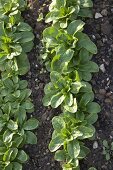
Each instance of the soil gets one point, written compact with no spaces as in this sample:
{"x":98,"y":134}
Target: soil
{"x":100,"y":30}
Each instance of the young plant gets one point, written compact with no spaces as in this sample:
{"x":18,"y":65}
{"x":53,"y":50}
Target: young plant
{"x":12,"y":138}
{"x":107,"y":149}
{"x":67,"y":140}
{"x":64,"y":90}
{"x":68,"y":53}
{"x":61,"y":55}
{"x":16,"y":39}
{"x":92,"y":168}
{"x":14,"y":43}
{"x":61,"y":12}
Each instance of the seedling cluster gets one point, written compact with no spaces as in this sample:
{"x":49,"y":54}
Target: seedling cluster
{"x":68,"y":53}
{"x":16,"y":39}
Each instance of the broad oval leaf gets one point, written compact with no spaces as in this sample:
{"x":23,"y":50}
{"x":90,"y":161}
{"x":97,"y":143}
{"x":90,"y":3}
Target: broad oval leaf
{"x":73,"y":149}
{"x":22,"y":156}
{"x":88,"y":132}
{"x":58,"y":123}
{"x":31,"y":124}
{"x":56,"y":143}
{"x":57,"y":100}
{"x":31,"y":138}
{"x":75,"y":26}
{"x":17,"y":166}
{"x":60,"y":155}
{"x":93,"y":107}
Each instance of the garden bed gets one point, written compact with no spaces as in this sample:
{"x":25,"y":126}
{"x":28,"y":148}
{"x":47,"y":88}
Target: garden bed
{"x":100,"y":31}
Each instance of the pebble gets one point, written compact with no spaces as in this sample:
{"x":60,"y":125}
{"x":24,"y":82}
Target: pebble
{"x":95,"y":145}
{"x":107,"y":100}
{"x":102,"y":91}
{"x":104,"y":40}
{"x":93,"y":36}
{"x":111,"y":9}
{"x":102,"y":68}
{"x":106,"y":28}
{"x":104,"y":12}
{"x":98,"y":15}
{"x":41,"y":85}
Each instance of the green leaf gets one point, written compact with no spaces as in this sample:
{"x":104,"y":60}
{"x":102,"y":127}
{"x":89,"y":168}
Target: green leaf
{"x":21,"y":115}
{"x":88,"y":132}
{"x":60,"y":3}
{"x":22,"y":156}
{"x":67,"y":166}
{"x":14,"y":153}
{"x":86,"y":3}
{"x":85,"y":12}
{"x":28,"y":105}
{"x":64,"y":23}
{"x":47,"y":99}
{"x":31,"y":138}
{"x":7,"y":136}
{"x":90,"y":46}
{"x":105,"y":143}
{"x":80,"y":116}
{"x":75,"y":26}
{"x":9,"y":167}
{"x":31,"y":124}
{"x":73,"y":149}
{"x":27,"y":46}
{"x":22,"y":26}
{"x":56,"y":143}
{"x":93,"y":107}
{"x":92,"y":168}
{"x":57,"y":100}
{"x":112,"y":146}
{"x":23,"y":64}
{"x":10,"y":154}
{"x":23,"y":84}
{"x":55,"y":76}
{"x":26,"y":37}
{"x":58,"y":123}
{"x":17,"y":166}
{"x":84,"y":56}
{"x":69,"y":99}
{"x":107,"y":156}
{"x":84,"y":151}
{"x":75,"y":87}
{"x":12,"y":125}
{"x":60,"y":155}
{"x":73,"y":108}
{"x":86,"y":98}
{"x":2,"y":150}
{"x":62,"y":59}
{"x":49,"y":35}
{"x":92,"y":118}
{"x":17,"y":141}
{"x":8,"y":83}
{"x":76,"y":133}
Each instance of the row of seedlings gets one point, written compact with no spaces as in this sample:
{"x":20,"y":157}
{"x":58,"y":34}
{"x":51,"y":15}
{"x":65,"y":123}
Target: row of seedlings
{"x":16,"y":39}
{"x":68,"y":53}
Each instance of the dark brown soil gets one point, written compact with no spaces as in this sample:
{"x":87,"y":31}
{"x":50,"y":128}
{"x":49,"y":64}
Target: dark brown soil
{"x":101,"y":32}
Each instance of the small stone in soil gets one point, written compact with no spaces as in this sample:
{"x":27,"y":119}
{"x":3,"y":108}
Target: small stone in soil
{"x":104,"y":12}
{"x":102,"y":68}
{"x":98,"y":15}
{"x":95,"y":145}
{"x":102,"y":91}
{"x":107,"y":100}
